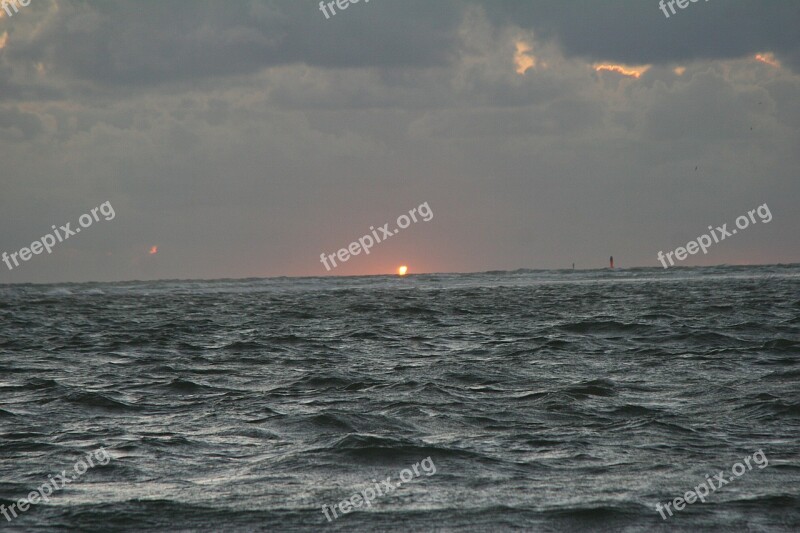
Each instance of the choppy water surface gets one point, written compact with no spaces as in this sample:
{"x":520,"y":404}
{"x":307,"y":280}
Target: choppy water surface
{"x":548,"y":401}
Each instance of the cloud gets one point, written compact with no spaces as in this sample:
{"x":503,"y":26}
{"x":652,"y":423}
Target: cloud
{"x":168,"y":41}
{"x":157,"y":42}
{"x":636,"y":32}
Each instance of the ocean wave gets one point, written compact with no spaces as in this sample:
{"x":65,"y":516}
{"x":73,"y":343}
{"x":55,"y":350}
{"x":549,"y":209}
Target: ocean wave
{"x":97,"y":400}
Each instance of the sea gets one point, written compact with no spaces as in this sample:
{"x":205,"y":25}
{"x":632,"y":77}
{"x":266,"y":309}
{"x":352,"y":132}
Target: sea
{"x":558,"y":401}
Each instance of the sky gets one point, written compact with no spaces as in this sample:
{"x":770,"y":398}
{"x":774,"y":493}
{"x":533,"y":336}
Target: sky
{"x":245,"y":138}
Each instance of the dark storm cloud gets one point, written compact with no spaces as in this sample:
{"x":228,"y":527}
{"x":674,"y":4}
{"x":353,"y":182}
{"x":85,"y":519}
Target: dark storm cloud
{"x":150,"y":42}
{"x":156,"y":41}
{"x":637,"y":32}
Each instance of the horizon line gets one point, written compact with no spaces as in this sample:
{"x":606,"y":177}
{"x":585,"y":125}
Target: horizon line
{"x":395,"y":275}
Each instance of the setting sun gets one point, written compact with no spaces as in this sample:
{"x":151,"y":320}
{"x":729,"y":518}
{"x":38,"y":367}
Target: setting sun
{"x":402,"y":270}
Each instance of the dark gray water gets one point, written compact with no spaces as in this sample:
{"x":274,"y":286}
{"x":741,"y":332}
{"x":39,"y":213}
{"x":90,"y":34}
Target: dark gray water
{"x":547,"y":401}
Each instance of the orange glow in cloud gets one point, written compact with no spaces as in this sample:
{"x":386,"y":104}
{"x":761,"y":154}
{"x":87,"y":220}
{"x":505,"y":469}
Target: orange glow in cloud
{"x":769,"y":59}
{"x":522,"y":60}
{"x":153,"y":250}
{"x":3,"y":40}
{"x":679,"y":70}
{"x":624,"y":70}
